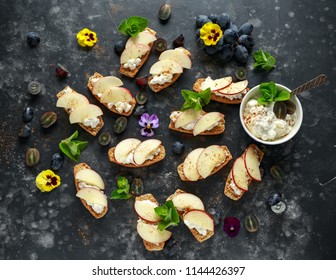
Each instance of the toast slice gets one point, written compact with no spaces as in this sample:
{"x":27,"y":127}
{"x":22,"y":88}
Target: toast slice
{"x":198,"y":88}
{"x":218,"y":129}
{"x":216,"y":169}
{"x":160,"y":156}
{"x":92,"y":131}
{"x":148,"y":245}
{"x":77,"y":168}
{"x":113,"y":109}
{"x":229,"y":188}
{"x":132,"y":73}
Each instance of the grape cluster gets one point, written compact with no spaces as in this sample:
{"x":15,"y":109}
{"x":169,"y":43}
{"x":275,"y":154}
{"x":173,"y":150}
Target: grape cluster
{"x":235,"y":42}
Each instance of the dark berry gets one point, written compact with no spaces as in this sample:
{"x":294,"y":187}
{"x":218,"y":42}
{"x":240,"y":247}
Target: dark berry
{"x":33,"y":39}
{"x":178,"y":147}
{"x":226,"y":53}
{"x":139,"y":110}
{"x":274,"y":198}
{"x":234,"y":27}
{"x":27,"y":114}
{"x":179,"y":41}
{"x":160,"y":45}
{"x":240,"y":73}
{"x":247,"y":41}
{"x":220,"y":44}
{"x":201,"y":20}
{"x":119,"y":47}
{"x":241,"y":54}
{"x":215,"y":215}
{"x":230,"y":36}
{"x":223,"y":21}
{"x":246,"y":29}
{"x":34,"y":87}
{"x":57,"y":161}
{"x":61,"y":71}
{"x":24,"y":131}
{"x":104,"y":138}
{"x":213,"y":18}
{"x":120,"y":125}
{"x":142,"y":81}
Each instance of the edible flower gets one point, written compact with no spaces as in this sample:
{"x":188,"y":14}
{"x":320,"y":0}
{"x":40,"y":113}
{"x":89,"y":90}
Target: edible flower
{"x":210,"y":33}
{"x":231,"y":226}
{"x":148,"y":122}
{"x":47,"y":180}
{"x":86,"y":37}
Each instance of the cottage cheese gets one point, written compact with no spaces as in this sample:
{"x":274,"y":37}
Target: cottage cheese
{"x":262,"y":122}
{"x":91,"y":122}
{"x":129,"y":158}
{"x":200,"y":230}
{"x":153,"y":154}
{"x":132,"y":63}
{"x":161,"y":79}
{"x":120,"y":106}
{"x":235,"y":189}
{"x":190,"y":126}
{"x":96,"y":207}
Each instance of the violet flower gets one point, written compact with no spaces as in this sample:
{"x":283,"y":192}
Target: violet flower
{"x":148,"y":122}
{"x":231,"y":226}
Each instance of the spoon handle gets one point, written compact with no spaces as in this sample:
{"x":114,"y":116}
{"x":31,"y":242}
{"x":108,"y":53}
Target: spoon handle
{"x":317,"y":81}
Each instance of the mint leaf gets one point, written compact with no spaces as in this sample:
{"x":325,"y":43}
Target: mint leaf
{"x":132,"y":26}
{"x":123,"y":189}
{"x":72,"y":148}
{"x":122,"y":28}
{"x":263,"y":60}
{"x":168,"y":214}
{"x":270,"y":93}
{"x":206,"y":96}
{"x":282,"y":95}
{"x":194,"y":100}
{"x":116,"y":195}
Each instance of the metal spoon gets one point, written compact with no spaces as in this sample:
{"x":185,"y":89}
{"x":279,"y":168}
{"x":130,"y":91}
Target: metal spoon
{"x":317,"y":81}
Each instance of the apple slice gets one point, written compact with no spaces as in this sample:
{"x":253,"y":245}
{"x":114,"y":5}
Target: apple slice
{"x":217,"y":84}
{"x":133,"y":51}
{"x":92,"y":196}
{"x":199,"y":219}
{"x":144,"y":37}
{"x":150,"y":233}
{"x":211,"y":157}
{"x":207,"y":122}
{"x":116,"y":94}
{"x":234,"y":88}
{"x":170,"y":66}
{"x":190,"y":164}
{"x":71,"y":101}
{"x":186,"y":117}
{"x":187,"y":201}
{"x":105,"y":83}
{"x":177,"y":54}
{"x":145,"y":150}
{"x":81,"y":113}
{"x":239,"y":174}
{"x":145,"y":210}
{"x":124,"y":148}
{"x":90,"y":177}
{"x":252,"y":163}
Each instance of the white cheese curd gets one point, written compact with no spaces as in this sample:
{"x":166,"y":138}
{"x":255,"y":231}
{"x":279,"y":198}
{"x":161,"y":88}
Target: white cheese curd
{"x":67,"y":90}
{"x":233,"y":186}
{"x":96,"y":207}
{"x":262,"y":122}
{"x":91,"y":122}
{"x":190,"y":126}
{"x":153,"y":154}
{"x":132,"y":63}
{"x":129,"y":158}
{"x":161,"y":79}
{"x":94,"y":80}
{"x":200,"y":230}
{"x":151,"y":203}
{"x":208,"y":82}
{"x":99,"y":95}
{"x":83,"y":185}
{"x":123,"y":106}
{"x":174,"y":115}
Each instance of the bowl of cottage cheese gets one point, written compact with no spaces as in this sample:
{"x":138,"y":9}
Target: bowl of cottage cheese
{"x":261,"y":123}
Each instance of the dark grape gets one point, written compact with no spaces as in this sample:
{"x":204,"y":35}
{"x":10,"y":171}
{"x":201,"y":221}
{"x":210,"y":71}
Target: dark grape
{"x":230,"y":36}
{"x":120,"y":125}
{"x":137,"y":186}
{"x":104,"y":138}
{"x":280,"y":109}
{"x":141,"y":97}
{"x":226,"y":53}
{"x":220,"y":44}
{"x":47,"y":119}
{"x":61,"y":71}
{"x":198,"y":33}
{"x":142,"y":81}
{"x":164,"y":12}
{"x":32,"y":156}
{"x":213,"y":18}
{"x":178,"y":147}
{"x":241,"y":54}
{"x":223,"y":21}
{"x":34,"y":87}
{"x":210,"y":50}
{"x":247,"y":41}
{"x":240,"y":73}
{"x":27,"y":114}
{"x":291,"y":108}
{"x":201,"y":44}
{"x":160,"y":45}
{"x":179,"y":41}
{"x":201,"y":20}
{"x":33,"y":39}
{"x":57,"y":161}
{"x":234,"y":27}
{"x":246,"y":29}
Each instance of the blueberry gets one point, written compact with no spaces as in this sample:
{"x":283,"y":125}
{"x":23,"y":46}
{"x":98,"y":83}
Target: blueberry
{"x":27,"y":114}
{"x":24,"y":131}
{"x":274,"y":198}
{"x":226,"y":53}
{"x":119,"y":47}
{"x":246,"y":29}
{"x":241,"y":54}
{"x":200,"y":44}
{"x":233,"y":27}
{"x":139,"y":110}
{"x":246,"y":40}
{"x":178,"y":147}
{"x":201,"y":20}
{"x":220,"y":44}
{"x":33,"y":39}
{"x":57,"y":161}
{"x":223,"y":21}
{"x":215,"y":215}
{"x":210,"y":50}
{"x":213,"y":18}
{"x":230,"y":36}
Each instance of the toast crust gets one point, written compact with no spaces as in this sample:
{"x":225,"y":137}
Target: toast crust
{"x":197,"y":87}
{"x":92,"y":131}
{"x":77,"y":168}
{"x":132,"y":73}
{"x":160,"y":156}
{"x":96,"y":75}
{"x":228,"y":191}
{"x":216,"y":169}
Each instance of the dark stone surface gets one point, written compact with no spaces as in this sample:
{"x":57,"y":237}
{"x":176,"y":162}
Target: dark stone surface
{"x":35,"y":225}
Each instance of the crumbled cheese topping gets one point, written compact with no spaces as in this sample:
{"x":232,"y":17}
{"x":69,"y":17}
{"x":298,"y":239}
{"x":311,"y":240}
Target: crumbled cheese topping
{"x":207,"y":83}
{"x":120,"y":106}
{"x":161,"y":79}
{"x":174,"y":115}
{"x":200,"y":230}
{"x":91,"y":122}
{"x":132,"y":63}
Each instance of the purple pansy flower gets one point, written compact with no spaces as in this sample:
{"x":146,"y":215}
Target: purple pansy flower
{"x":231,"y":226}
{"x":148,"y":122}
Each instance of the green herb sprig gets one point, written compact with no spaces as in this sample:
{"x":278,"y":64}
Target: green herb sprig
{"x":263,"y":60}
{"x":132,"y":26}
{"x":194,"y":100}
{"x":72,"y":148}
{"x":123,"y":190}
{"x":269,"y":93}
{"x":168,"y":214}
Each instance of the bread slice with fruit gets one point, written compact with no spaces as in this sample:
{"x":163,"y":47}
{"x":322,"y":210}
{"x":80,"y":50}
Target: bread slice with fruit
{"x":90,"y":187}
{"x":223,"y":90}
{"x":140,"y":47}
{"x":88,"y":116}
{"x":201,"y":163}
{"x":153,"y":239}
{"x":135,"y":153}
{"x":108,"y":91}
{"x":199,"y":122}
{"x":245,"y":169}
{"x":168,"y":68}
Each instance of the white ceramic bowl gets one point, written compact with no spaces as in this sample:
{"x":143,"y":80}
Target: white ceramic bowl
{"x":254,"y":94}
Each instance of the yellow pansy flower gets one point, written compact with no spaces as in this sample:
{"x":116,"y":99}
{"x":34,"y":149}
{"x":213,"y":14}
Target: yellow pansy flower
{"x":47,"y":180}
{"x":210,"y":33}
{"x":86,"y":37}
